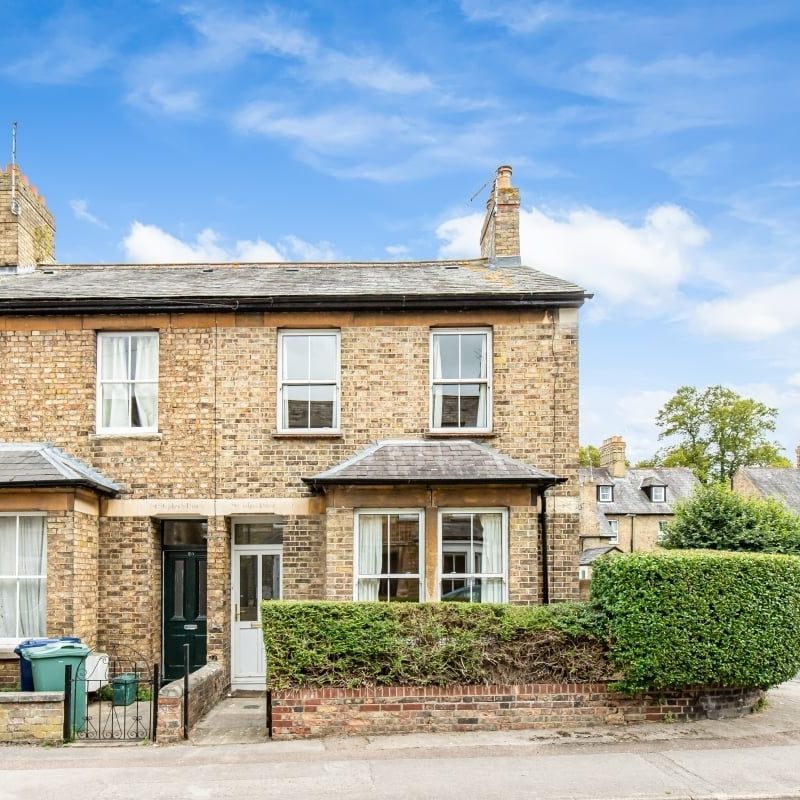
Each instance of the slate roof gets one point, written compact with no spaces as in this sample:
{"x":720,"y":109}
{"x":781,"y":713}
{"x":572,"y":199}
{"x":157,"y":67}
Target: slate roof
{"x":41,"y":464}
{"x":589,"y":555}
{"x":783,"y":484}
{"x":396,"y":461}
{"x":178,"y":287}
{"x":630,"y":497}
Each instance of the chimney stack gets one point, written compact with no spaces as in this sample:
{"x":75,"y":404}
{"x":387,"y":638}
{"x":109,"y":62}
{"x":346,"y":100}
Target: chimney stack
{"x":500,"y":232}
{"x":612,"y":456}
{"x":27,"y":228}
{"x":797,"y":456}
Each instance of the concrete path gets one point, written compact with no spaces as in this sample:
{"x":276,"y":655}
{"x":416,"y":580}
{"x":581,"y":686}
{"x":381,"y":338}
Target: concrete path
{"x":755,"y":757}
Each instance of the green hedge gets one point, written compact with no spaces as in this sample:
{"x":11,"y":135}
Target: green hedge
{"x":700,"y":618}
{"x":365,"y":644}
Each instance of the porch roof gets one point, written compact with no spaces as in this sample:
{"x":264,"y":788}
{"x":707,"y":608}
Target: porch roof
{"x":454,"y":461}
{"x":40,"y":464}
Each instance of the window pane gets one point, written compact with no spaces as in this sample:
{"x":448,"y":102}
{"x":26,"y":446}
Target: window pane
{"x":372,"y":544}
{"x":402,"y":589}
{"x":368,"y":589}
{"x":295,"y":358}
{"x":404,"y":541}
{"x":456,"y":530}
{"x":114,"y":363}
{"x":177,"y":590}
{"x":8,"y":546}
{"x":445,"y":406}
{"x":322,"y":406}
{"x":472,"y":405}
{"x":31,"y":546}
{"x":248,"y":588}
{"x":445,"y":355}
{"x":8,"y":608}
{"x":115,"y":413}
{"x":260,"y":532}
{"x":144,"y":357}
{"x":467,"y":591}
{"x":270,"y":577}
{"x":143,"y":405}
{"x":186,"y":532}
{"x":491,"y":590}
{"x":473,"y":355}
{"x":323,"y":358}
{"x":488,"y":538}
{"x":295,"y":406}
{"x":202,"y":587}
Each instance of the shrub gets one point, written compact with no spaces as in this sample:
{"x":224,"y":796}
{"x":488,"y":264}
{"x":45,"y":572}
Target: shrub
{"x":700,"y":619}
{"x":365,"y":644}
{"x":717,"y":518}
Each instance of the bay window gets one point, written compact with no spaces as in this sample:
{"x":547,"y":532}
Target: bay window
{"x":389,"y":555}
{"x":23,"y":576}
{"x":127,"y":382}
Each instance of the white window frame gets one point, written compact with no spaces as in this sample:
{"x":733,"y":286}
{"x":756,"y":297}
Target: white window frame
{"x":357,"y":514}
{"x":614,"y":525}
{"x":660,"y":536}
{"x":337,"y":404}
{"x":662,"y":492}
{"x":13,"y":641}
{"x":467,"y":575}
{"x":584,"y":573}
{"x":102,"y":336}
{"x":600,"y":490}
{"x":487,"y":380}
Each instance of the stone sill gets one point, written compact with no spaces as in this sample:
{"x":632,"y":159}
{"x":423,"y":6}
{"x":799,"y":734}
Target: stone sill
{"x":31,"y":697}
{"x":307,"y":435}
{"x":140,"y":437}
{"x":459,"y":435}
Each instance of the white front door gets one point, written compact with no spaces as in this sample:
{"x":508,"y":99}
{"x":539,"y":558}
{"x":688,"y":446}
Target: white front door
{"x":256,"y":577}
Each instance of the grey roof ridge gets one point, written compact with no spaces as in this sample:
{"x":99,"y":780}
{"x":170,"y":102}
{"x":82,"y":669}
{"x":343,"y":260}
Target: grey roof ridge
{"x":276,"y":264}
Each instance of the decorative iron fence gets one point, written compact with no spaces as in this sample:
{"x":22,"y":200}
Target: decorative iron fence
{"x":111,"y":695}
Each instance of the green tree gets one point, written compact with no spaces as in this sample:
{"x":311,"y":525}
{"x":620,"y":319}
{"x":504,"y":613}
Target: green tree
{"x":717,"y":518}
{"x":716,"y":431}
{"x":589,"y":456}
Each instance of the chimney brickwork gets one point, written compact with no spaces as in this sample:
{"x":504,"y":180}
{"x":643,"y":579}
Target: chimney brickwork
{"x":500,"y":231}
{"x":797,"y":456}
{"x":612,"y":456}
{"x":27,"y":238}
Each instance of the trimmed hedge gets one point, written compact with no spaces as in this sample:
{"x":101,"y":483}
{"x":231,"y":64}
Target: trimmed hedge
{"x":366,"y":644}
{"x":700,"y":618}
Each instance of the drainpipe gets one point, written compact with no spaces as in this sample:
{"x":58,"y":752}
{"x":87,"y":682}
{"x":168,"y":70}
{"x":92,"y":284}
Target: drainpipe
{"x":544,"y":547}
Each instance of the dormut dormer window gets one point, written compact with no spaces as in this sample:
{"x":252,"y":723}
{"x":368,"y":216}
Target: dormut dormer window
{"x":605,"y":493}
{"x":658,"y":494}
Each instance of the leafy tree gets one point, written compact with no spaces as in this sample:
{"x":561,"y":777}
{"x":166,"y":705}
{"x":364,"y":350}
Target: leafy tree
{"x":717,"y":518}
{"x":717,"y":431}
{"x":589,"y":456}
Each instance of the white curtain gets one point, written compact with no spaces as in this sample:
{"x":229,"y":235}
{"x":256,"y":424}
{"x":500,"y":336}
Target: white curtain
{"x":32,"y":590}
{"x":370,"y":550}
{"x":145,"y":367}
{"x":437,"y":389}
{"x":492,"y":588}
{"x":116,"y":411}
{"x":8,"y":567}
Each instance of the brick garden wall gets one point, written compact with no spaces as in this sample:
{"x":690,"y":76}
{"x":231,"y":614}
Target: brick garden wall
{"x":31,"y":717}
{"x":404,"y":709}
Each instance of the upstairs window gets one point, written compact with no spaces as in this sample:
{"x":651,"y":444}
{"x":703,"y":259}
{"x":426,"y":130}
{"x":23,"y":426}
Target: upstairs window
{"x":658,"y":494}
{"x":23,"y":576}
{"x":309,"y":381}
{"x":605,"y":494}
{"x":461,"y":393}
{"x":127,"y":382}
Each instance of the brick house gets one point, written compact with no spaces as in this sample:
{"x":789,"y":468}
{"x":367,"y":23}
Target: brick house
{"x":183,"y":441}
{"x":626,"y":508}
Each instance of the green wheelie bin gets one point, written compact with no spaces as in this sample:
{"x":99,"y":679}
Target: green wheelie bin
{"x":48,"y":664}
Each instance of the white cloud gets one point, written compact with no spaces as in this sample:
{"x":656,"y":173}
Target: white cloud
{"x":149,"y":244}
{"x":641,"y":266}
{"x":80,"y":208}
{"x":754,"y":315}
{"x":396,"y":249}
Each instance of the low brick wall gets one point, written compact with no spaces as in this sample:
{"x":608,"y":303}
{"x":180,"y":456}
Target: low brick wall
{"x":9,"y":670}
{"x":408,"y":709}
{"x":206,"y":687}
{"x":34,"y":717}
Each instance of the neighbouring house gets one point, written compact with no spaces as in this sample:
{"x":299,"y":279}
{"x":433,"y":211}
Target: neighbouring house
{"x":182,"y":442}
{"x":782,"y":483}
{"x":625,"y":508}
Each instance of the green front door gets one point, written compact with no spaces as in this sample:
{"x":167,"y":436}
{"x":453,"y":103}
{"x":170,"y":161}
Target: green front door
{"x":184,"y":610}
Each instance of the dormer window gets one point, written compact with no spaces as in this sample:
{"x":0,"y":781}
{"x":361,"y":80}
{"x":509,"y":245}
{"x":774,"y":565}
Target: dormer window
{"x":605,"y":494}
{"x":658,"y":494}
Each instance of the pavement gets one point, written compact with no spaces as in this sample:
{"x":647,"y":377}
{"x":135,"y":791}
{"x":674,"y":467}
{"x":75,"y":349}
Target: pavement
{"x":754,"y":758}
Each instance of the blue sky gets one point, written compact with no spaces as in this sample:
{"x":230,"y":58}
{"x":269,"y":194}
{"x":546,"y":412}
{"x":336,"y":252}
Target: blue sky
{"x":655,"y":146}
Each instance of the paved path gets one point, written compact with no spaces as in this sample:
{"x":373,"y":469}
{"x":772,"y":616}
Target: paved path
{"x":756,"y":757}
